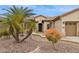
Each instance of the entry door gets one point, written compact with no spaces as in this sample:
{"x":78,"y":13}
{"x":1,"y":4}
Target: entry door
{"x":70,"y":28}
{"x":40,"y":27}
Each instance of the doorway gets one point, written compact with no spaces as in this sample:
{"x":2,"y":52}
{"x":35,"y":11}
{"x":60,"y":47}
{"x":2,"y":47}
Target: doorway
{"x":40,"y":25}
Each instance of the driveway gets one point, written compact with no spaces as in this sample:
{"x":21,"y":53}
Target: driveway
{"x":71,"y":38}
{"x":63,"y":46}
{"x":68,"y":38}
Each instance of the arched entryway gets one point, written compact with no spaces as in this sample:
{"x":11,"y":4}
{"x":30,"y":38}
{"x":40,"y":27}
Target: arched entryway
{"x":40,"y":25}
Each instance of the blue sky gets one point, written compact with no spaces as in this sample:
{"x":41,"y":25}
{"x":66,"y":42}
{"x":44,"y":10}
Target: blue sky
{"x":47,"y":10}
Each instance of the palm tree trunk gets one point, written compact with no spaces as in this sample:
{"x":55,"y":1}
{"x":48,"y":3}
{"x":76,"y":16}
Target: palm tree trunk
{"x":14,"y":35}
{"x":22,"y":33}
{"x":17,"y":36}
{"x":30,"y":32}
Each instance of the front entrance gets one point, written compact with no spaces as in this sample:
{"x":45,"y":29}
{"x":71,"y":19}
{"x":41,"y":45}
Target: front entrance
{"x":40,"y":27}
{"x":70,"y":28}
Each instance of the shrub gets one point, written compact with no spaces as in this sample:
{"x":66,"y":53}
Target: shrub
{"x":53,"y":36}
{"x":4,"y":32}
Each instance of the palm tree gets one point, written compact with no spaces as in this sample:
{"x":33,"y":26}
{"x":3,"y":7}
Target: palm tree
{"x":31,"y":25}
{"x":14,"y":19}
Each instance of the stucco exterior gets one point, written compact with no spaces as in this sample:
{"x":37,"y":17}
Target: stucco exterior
{"x":78,"y":29}
{"x":72,"y":17}
{"x":39,"y":19}
{"x":59,"y":23}
{"x":43,"y":20}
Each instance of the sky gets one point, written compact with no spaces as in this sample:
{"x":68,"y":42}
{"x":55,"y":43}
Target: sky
{"x":47,"y":10}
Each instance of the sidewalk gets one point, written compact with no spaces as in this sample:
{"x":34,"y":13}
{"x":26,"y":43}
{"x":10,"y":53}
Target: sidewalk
{"x":73,"y":38}
{"x":68,"y":38}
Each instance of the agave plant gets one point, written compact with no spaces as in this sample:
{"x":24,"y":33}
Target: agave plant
{"x":14,"y":19}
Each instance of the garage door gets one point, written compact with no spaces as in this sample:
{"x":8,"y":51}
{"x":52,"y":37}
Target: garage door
{"x":70,"y":28}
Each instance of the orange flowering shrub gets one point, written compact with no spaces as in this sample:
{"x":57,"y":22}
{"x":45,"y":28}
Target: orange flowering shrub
{"x":53,"y":35}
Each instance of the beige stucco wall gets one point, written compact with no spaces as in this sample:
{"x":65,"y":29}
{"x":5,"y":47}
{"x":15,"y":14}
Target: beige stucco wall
{"x":36,"y":29}
{"x":60,"y":27}
{"x":71,"y":17}
{"x":59,"y":24}
{"x":45,"y":26}
{"x":78,"y":28}
{"x":39,"y":19}
{"x":53,"y":25}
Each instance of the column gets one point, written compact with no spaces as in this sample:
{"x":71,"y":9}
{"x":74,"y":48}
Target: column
{"x":36,"y":30}
{"x":78,"y":29}
{"x":44,"y":26}
{"x":63,"y":32}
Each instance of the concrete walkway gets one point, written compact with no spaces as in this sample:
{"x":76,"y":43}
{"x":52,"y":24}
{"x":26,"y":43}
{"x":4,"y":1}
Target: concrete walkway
{"x":73,"y":38}
{"x":68,"y":38}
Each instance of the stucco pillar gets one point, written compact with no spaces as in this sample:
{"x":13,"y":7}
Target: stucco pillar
{"x":36,"y":30}
{"x":78,"y":29}
{"x":63,"y":32}
{"x":44,"y":26}
{"x":53,"y":25}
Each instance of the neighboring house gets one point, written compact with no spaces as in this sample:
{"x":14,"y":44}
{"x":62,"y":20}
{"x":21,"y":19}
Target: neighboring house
{"x":67,"y":24}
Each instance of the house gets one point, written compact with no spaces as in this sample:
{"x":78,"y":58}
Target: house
{"x":67,"y":23}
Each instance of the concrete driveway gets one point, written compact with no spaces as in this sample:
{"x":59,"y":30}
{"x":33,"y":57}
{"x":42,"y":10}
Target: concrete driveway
{"x":71,"y":38}
{"x":68,"y":38}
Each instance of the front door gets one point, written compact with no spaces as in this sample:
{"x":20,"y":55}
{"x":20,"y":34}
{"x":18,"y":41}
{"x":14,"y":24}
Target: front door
{"x":40,"y":27}
{"x":70,"y":28}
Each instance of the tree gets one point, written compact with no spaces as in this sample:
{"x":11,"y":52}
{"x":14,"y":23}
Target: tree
{"x":14,"y":18}
{"x":53,"y":36}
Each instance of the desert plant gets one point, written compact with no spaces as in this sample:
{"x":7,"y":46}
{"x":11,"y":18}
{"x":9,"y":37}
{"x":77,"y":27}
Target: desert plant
{"x":53,"y":36}
{"x":14,"y":19}
{"x":4,"y":33}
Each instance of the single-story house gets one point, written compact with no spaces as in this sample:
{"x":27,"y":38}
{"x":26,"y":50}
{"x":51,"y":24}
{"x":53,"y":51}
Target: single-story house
{"x":67,"y":23}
